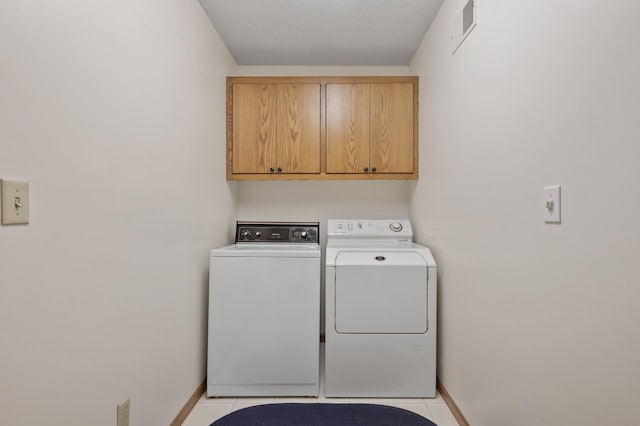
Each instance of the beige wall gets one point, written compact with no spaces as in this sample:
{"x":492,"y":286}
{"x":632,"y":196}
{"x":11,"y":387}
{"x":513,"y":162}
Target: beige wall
{"x":114,"y":111}
{"x":538,"y":323}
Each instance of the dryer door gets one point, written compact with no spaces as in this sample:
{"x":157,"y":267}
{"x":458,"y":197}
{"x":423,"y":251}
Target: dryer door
{"x":381,"y":292}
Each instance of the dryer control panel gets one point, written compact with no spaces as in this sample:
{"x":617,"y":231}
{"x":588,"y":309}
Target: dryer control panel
{"x":396,"y":229}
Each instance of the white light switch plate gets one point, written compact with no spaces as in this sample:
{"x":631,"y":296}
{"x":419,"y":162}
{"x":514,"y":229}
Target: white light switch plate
{"x":15,"y":202}
{"x":551,"y":204}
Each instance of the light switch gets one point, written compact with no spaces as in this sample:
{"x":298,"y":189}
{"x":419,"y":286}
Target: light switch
{"x":552,"y":204}
{"x":15,"y":202}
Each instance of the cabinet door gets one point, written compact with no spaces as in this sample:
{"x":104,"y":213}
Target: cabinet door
{"x":347,"y":128}
{"x":298,"y":131}
{"x":391,"y":137}
{"x":254,"y":128}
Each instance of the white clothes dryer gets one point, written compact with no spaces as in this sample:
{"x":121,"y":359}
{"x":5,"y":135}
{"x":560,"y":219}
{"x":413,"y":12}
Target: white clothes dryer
{"x":380,"y":332}
{"x":264,"y":312}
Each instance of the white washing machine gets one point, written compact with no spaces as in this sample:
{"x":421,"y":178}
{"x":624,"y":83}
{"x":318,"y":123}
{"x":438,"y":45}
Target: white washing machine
{"x":380,"y":333}
{"x":264,"y":312}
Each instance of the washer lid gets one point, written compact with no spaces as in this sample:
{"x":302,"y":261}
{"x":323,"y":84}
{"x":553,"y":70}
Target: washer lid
{"x":380,"y":258}
{"x":267,"y":250}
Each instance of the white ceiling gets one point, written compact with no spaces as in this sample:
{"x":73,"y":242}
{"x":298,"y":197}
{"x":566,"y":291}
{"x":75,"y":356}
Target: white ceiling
{"x":321,"y":32}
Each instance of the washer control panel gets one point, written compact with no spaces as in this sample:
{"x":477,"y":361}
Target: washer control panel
{"x":369,"y":228}
{"x":277,"y":232}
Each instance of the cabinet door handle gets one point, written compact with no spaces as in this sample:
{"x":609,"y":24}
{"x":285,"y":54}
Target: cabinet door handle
{"x":373,"y":169}
{"x":366,"y":169}
{"x":271,"y":170}
{"x":279,"y":169}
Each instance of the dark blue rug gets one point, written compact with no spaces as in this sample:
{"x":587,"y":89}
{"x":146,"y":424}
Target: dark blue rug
{"x":322,"y":415}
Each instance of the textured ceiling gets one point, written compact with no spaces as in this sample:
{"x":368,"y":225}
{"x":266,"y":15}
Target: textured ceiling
{"x":321,"y":32}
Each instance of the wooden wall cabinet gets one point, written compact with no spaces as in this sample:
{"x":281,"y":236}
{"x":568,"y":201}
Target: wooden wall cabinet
{"x":276,"y":128}
{"x":322,"y":128}
{"x":370,"y":128}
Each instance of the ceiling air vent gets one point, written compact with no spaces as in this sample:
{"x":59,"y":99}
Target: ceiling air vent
{"x":463,"y":24}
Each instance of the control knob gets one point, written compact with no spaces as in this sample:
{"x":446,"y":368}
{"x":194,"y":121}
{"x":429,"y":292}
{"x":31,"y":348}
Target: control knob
{"x":396,"y":227}
{"x":304,"y":235}
{"x":245,"y":234}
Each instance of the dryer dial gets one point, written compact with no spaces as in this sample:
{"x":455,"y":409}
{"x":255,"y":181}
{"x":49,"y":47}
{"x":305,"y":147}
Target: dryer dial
{"x":396,"y":227}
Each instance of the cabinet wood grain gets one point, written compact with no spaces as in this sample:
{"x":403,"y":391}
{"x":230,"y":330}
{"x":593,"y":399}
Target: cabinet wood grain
{"x":391,"y":136}
{"x":298,"y":129}
{"x":347,"y":128}
{"x":254,"y":128}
